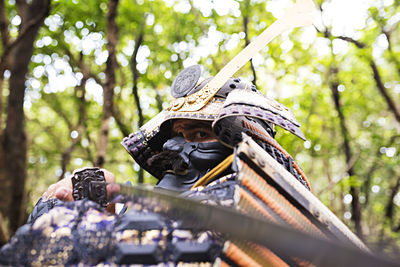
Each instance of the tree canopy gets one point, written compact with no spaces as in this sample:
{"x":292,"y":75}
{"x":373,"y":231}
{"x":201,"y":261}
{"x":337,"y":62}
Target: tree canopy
{"x":98,"y":70}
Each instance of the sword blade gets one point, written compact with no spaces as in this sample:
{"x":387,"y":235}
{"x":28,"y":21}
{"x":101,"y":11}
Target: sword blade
{"x":237,"y":226}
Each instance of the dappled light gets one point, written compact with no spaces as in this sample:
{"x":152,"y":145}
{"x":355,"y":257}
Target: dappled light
{"x":87,"y":86}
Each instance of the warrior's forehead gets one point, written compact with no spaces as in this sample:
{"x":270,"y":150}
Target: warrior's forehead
{"x":186,"y":124}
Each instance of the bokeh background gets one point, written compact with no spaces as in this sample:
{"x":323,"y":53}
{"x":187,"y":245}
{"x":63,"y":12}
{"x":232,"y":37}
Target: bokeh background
{"x":77,"y":76}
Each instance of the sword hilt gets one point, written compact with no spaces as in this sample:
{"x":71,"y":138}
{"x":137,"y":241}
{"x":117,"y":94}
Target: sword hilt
{"x":90,"y":183}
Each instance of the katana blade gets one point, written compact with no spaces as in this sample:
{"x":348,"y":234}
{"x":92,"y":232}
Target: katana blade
{"x":238,"y":226}
{"x":301,"y":14}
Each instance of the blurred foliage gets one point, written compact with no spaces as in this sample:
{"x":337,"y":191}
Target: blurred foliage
{"x":295,"y":68}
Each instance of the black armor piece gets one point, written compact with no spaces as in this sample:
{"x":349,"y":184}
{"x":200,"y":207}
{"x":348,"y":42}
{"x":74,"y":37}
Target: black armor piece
{"x":127,"y":253}
{"x":229,"y":131}
{"x":140,"y":221}
{"x":199,"y":159}
{"x":195,"y":252}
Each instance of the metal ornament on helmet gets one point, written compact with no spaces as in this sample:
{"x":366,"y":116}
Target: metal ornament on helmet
{"x":185,"y":81}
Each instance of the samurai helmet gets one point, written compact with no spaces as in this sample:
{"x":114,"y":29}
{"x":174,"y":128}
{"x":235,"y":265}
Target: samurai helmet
{"x":235,"y":108}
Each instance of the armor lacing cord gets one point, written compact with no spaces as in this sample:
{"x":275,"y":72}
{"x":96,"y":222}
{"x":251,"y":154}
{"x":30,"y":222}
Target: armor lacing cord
{"x":275,"y":207}
{"x":214,"y":172}
{"x":284,"y":209}
{"x":275,"y":144}
{"x":261,"y":254}
{"x":239,"y":256}
{"x":246,"y":202}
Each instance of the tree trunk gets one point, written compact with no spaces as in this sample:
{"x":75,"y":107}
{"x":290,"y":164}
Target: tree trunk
{"x":135,"y":74}
{"x":13,"y":145}
{"x":108,"y":88}
{"x":389,"y":209}
{"x":4,"y":42}
{"x":354,"y":191}
{"x":4,"y":236}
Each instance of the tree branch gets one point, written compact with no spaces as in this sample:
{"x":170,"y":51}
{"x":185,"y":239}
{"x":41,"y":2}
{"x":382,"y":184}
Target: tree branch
{"x":355,"y":204}
{"x":245,"y":13}
{"x":122,"y":126}
{"x":26,"y":28}
{"x":108,"y":88}
{"x":158,"y":97}
{"x":377,"y":76}
{"x":391,"y":103}
{"x":353,"y":41}
{"x":135,"y":74}
{"x":388,"y":33}
{"x":8,"y":46}
{"x":22,"y":6}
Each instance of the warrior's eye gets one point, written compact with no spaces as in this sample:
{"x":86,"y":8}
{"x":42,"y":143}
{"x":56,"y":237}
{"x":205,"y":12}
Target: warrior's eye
{"x":201,"y":134}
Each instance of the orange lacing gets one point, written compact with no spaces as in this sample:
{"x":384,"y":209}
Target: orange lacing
{"x":254,"y":205}
{"x":239,"y":257}
{"x":260,"y":254}
{"x":268,"y":255}
{"x":276,"y":202}
{"x":267,"y":138}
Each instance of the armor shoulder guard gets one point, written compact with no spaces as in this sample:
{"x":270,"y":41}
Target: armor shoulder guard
{"x":285,"y":198}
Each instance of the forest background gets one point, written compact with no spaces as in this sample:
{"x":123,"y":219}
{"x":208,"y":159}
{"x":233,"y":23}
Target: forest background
{"x":77,"y":76}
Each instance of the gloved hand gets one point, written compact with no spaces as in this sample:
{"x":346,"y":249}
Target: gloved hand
{"x":62,"y":191}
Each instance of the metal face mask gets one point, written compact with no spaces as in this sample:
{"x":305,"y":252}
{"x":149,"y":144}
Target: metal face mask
{"x":199,"y":158}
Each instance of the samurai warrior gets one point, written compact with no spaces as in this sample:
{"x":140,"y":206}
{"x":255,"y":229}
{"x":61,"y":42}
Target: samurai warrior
{"x":227,"y":194}
{"x":216,"y":155}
